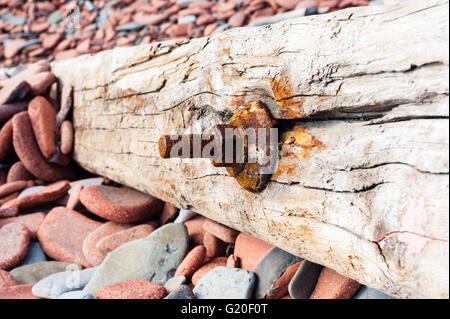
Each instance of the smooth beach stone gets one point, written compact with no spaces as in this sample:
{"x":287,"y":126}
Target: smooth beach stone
{"x":332,"y":285}
{"x":304,"y":280}
{"x":30,"y":221}
{"x":55,"y":285}
{"x":366,"y":292}
{"x":86,"y":182}
{"x":174,"y":282}
{"x":182,"y":292}
{"x":6,"y":145}
{"x":270,"y":268}
{"x":17,"y":292}
{"x":193,"y":260}
{"x":119,"y":204}
{"x":154,"y":258}
{"x":35,"y":254}
{"x":18,"y":172}
{"x":207,"y":267}
{"x":75,"y":294}
{"x":250,"y":250}
{"x":62,"y":233}
{"x":29,"y":154}
{"x":184,"y":215}
{"x":225,"y":283}
{"x":14,"y":244}
{"x":224,"y":233}
{"x":30,"y":190}
{"x":132,"y":289}
{"x":30,"y":274}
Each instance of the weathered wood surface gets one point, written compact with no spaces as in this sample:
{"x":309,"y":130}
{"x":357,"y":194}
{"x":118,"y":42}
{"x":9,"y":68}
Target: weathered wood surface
{"x":362,"y":97}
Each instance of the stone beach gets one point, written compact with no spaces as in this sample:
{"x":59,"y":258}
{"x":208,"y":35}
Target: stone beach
{"x":67,"y":234}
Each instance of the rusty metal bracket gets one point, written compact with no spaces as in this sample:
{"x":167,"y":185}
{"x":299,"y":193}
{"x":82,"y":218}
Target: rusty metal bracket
{"x":245,"y":146}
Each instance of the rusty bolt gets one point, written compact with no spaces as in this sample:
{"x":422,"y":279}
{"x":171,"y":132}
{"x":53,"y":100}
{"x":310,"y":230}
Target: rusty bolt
{"x":196,"y":146}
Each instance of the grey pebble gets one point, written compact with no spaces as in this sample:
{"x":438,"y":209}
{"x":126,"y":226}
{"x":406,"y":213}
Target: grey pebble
{"x":30,"y":274}
{"x":270,"y":268}
{"x":76,"y":294}
{"x":30,"y":42}
{"x":184,"y":215}
{"x":182,"y":292}
{"x":56,"y":284}
{"x":366,"y":292}
{"x":55,"y":17}
{"x":187,"y":19}
{"x":174,"y":282}
{"x":304,"y":281}
{"x":154,"y":258}
{"x":225,"y":283}
{"x":129,"y":27}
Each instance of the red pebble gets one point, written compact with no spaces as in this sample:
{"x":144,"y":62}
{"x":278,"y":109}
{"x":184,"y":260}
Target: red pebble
{"x":216,"y":262}
{"x":250,"y":250}
{"x":195,"y":230}
{"x":29,"y":154}
{"x":214,"y":246}
{"x":17,"y":292}
{"x":62,"y":233}
{"x":93,"y":255}
{"x":30,"y":221}
{"x":111,"y":242}
{"x":331,"y":285}
{"x":12,"y":187}
{"x":280,"y":286}
{"x":232,"y":261}
{"x":168,"y":213}
{"x":222,"y":232}
{"x":132,"y":289}
{"x":66,"y":137}
{"x":18,"y":172}
{"x":14,"y":243}
{"x":6,"y":145}
{"x":122,"y":205}
{"x":46,"y":195}
{"x":6,"y":279}
{"x":43,"y":119}
{"x":193,"y":260}
{"x":8,"y":212}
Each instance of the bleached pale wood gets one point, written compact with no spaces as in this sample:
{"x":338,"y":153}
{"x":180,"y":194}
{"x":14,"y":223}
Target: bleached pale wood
{"x":362,"y":98}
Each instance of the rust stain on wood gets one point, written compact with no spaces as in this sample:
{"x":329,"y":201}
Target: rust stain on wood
{"x":290,"y":108}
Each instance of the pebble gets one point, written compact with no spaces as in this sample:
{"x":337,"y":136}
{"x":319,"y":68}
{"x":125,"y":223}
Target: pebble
{"x":50,"y":40}
{"x":7,"y":111}
{"x":288,"y":4}
{"x":237,"y":19}
{"x":174,"y":282}
{"x":73,"y":202}
{"x":270,"y":268}
{"x":66,"y":133}
{"x":222,"y":232}
{"x":193,"y":260}
{"x":304,"y":281}
{"x":40,"y":82}
{"x":132,"y":289}
{"x":45,"y":195}
{"x":281,"y":286}
{"x":30,"y":221}
{"x":56,"y":284}
{"x":14,"y":243}
{"x":187,"y":19}
{"x":6,"y":279}
{"x":195,"y":230}
{"x":29,"y":154}
{"x":52,"y":235}
{"x":154,"y":258}
{"x":122,"y":205}
{"x":117,"y":239}
{"x":93,"y":255}
{"x":17,"y":292}
{"x":214,"y":246}
{"x":168,"y":214}
{"x":225,"y":283}
{"x":18,"y":172}
{"x":232,"y":261}
{"x":216,"y":262}
{"x":331,"y":285}
{"x":13,"y":48}
{"x":184,"y":215}
{"x":42,"y":116}
{"x":8,"y":212}
{"x":12,"y":187}
{"x":182,"y":292}
{"x":35,"y":254}
{"x":31,"y":190}
{"x":6,"y":145}
{"x":75,"y":294}
{"x":31,"y":274}
{"x":250,"y":250}
{"x":366,"y":292}
{"x":14,"y":91}
{"x":55,"y":17}
{"x":86,"y":182}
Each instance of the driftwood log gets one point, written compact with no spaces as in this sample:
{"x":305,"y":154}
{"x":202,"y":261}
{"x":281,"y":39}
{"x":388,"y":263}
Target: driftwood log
{"x":361,"y":96}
